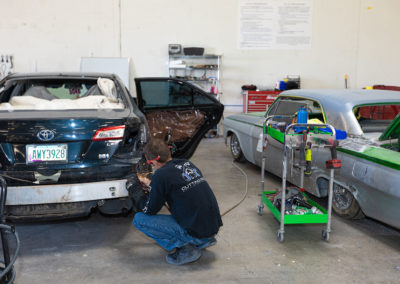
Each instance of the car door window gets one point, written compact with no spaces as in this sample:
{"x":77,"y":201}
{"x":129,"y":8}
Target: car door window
{"x":165,"y":94}
{"x":200,"y":99}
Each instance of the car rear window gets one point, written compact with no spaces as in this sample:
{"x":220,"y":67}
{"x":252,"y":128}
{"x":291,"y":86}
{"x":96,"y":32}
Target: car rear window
{"x":59,"y":94}
{"x":375,"y":118}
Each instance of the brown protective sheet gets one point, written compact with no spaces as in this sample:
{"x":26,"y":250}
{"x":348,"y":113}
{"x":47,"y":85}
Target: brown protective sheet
{"x":181,"y":124}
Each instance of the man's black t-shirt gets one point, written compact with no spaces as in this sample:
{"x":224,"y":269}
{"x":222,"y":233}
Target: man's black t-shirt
{"x":188,"y":195}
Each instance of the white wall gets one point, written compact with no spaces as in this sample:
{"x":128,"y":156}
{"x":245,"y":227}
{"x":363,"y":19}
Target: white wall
{"x":354,"y":37}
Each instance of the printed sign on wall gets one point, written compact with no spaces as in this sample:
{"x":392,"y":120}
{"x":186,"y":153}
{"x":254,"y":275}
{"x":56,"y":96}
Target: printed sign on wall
{"x":275,"y":24}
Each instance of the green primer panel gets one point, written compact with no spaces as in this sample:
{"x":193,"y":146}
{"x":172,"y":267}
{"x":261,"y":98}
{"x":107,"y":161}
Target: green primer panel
{"x":297,"y":219}
{"x":377,"y":155}
{"x":276,"y":134}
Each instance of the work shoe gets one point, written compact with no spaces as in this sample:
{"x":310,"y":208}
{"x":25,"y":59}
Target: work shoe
{"x":186,"y":254}
{"x":211,"y":241}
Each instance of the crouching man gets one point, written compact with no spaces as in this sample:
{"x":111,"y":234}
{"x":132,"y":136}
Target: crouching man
{"x":195,"y":218}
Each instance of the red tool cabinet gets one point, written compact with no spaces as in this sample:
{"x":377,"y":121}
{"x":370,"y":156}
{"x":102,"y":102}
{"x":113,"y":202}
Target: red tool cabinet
{"x":258,"y":100}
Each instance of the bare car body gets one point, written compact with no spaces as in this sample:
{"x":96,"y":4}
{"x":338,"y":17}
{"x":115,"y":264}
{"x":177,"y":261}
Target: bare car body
{"x":369,"y":181}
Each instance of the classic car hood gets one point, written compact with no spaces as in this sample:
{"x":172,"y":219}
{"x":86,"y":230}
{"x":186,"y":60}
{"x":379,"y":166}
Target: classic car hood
{"x":393,"y":130}
{"x":255,"y":119}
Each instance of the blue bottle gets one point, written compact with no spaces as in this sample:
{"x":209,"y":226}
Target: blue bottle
{"x":302,"y":117}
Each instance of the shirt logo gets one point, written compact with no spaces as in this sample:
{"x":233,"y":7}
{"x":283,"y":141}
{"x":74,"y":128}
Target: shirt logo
{"x":189,"y":174}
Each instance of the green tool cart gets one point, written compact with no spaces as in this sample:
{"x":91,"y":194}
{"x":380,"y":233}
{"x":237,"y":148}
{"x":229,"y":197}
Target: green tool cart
{"x":301,"y":137}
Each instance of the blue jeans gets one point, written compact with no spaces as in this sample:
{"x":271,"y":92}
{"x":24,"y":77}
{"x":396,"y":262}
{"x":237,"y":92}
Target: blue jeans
{"x":165,"y":231}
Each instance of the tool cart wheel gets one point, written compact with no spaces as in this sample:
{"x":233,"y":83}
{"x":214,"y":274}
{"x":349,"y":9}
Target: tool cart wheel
{"x":280,"y":236}
{"x":260,"y":209}
{"x":325,"y":235}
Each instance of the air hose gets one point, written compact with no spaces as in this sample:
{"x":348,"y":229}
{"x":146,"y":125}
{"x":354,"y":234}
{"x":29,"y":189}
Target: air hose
{"x":244,"y":195}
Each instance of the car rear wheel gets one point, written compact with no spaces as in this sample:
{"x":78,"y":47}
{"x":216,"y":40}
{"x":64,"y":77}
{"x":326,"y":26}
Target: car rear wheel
{"x":236,"y":150}
{"x":344,"y":203}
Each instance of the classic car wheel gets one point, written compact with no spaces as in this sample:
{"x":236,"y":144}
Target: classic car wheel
{"x":344,"y":203}
{"x":236,"y":151}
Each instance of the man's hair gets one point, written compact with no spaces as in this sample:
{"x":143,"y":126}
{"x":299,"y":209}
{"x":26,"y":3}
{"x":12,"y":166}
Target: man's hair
{"x":157,"y":147}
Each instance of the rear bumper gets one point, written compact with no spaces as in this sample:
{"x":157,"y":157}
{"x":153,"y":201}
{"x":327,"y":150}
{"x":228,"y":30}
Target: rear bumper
{"x":23,"y":177}
{"x":66,"y":193}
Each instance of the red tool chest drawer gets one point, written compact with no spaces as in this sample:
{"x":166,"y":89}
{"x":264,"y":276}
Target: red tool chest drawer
{"x":258,"y":100}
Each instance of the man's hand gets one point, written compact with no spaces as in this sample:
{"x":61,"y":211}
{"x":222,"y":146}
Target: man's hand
{"x":136,"y":192}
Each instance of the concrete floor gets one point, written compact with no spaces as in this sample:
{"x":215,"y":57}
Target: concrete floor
{"x":103,"y":249}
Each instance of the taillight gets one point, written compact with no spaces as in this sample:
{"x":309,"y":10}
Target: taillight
{"x":109,"y":133}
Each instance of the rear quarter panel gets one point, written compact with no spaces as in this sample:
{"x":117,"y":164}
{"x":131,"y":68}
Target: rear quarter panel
{"x":373,"y":176}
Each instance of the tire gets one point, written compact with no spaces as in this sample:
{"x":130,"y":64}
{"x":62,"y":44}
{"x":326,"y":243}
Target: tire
{"x":236,"y":150}
{"x":345,"y":205}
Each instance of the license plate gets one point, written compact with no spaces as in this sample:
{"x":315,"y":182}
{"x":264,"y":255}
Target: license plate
{"x":46,"y":153}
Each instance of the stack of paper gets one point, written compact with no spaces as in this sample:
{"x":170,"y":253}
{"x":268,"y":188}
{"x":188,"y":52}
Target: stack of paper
{"x":177,"y":64}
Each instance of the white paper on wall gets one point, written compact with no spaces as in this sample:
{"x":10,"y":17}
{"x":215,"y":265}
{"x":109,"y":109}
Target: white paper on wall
{"x":275,"y":24}
{"x":6,"y":65}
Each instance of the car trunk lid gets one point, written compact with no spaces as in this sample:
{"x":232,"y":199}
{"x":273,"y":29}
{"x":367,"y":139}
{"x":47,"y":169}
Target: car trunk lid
{"x":60,"y":143}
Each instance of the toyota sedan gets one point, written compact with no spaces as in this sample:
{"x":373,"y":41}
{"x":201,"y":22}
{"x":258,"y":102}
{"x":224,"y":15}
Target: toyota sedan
{"x":70,"y":142}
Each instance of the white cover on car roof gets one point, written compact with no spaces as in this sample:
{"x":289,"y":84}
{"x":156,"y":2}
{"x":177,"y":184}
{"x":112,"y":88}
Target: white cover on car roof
{"x":34,"y":100}
{"x":107,"y":88}
{"x":91,"y":102}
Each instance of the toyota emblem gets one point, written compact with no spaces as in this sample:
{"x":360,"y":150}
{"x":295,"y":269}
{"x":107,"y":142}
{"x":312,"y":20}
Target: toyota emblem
{"x":46,"y":135}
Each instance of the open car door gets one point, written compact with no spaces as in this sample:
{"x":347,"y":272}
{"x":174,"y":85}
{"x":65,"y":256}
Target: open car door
{"x":178,"y":112}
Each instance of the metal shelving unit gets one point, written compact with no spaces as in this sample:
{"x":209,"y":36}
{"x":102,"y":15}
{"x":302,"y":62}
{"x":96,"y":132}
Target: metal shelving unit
{"x":202,"y":70}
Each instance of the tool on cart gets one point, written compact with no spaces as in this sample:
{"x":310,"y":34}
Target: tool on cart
{"x":296,"y":202}
{"x":308,"y":170}
{"x":302,"y":149}
{"x":334,"y":163}
{"x":284,"y":205}
{"x":7,"y":272}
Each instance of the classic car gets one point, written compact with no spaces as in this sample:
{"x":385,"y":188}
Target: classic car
{"x":69,"y":142}
{"x":368,"y":183}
